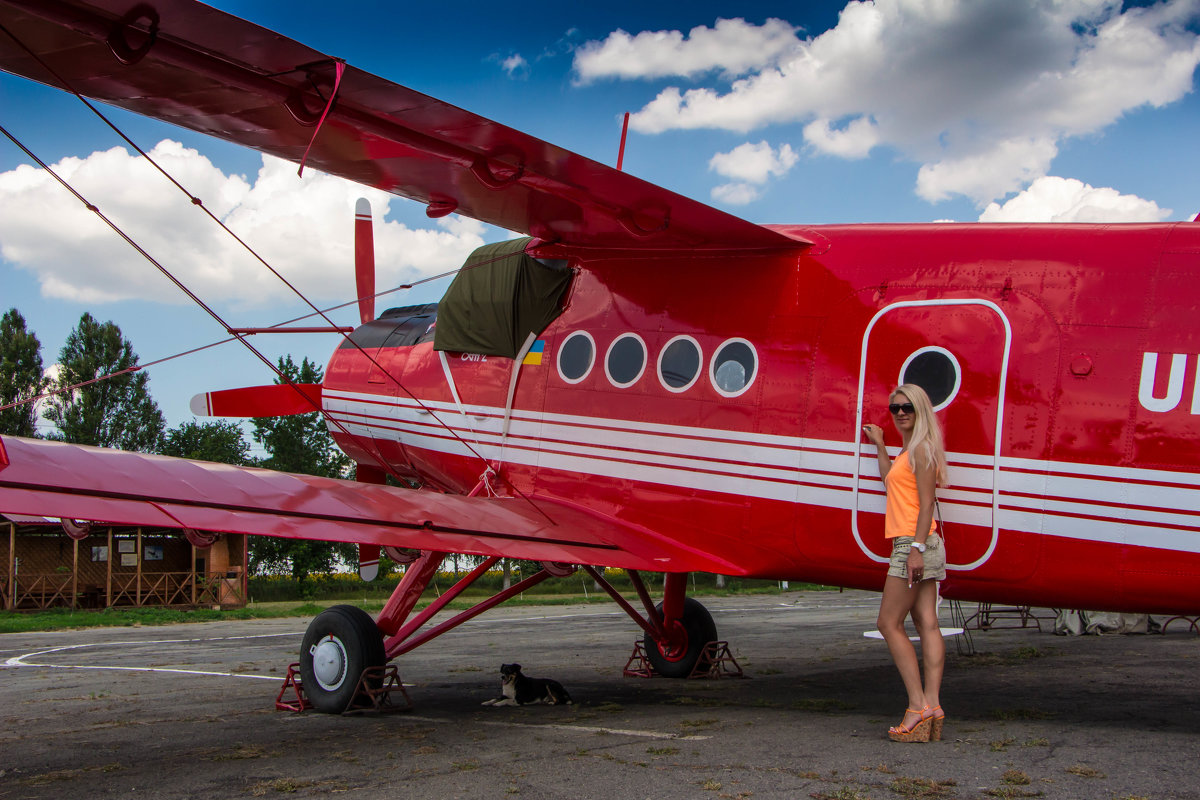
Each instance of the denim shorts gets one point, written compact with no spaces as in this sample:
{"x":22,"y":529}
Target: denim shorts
{"x":935,"y":558}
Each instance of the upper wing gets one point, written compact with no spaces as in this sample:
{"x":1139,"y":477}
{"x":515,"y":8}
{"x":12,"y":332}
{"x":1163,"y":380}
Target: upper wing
{"x":218,"y":74}
{"x":124,"y":488}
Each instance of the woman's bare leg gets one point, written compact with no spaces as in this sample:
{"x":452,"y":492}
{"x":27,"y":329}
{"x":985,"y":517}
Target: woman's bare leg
{"x":898,"y":600}
{"x":933,"y":647}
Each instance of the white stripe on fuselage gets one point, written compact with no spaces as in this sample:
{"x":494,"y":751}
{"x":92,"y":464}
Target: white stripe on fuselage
{"x":1145,"y":507}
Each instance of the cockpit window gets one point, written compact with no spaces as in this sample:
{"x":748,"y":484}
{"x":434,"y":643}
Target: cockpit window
{"x":396,"y":327}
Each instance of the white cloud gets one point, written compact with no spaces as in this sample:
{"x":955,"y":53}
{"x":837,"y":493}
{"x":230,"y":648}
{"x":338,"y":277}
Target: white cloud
{"x":988,"y":89}
{"x":515,"y":66}
{"x":750,"y":165}
{"x":855,"y":140}
{"x":1000,"y":170}
{"x":301,"y":226}
{"x":732,"y":46}
{"x":735,"y":194}
{"x":1051,"y":199}
{"x":754,"y":163}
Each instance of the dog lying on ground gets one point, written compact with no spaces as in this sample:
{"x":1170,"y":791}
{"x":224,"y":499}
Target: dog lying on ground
{"x":518,"y":690}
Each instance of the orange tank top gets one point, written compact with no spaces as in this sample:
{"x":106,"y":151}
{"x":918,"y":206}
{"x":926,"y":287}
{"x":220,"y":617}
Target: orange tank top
{"x":903,"y":500}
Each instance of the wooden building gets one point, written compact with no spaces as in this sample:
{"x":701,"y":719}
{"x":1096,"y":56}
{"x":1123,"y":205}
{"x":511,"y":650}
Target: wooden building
{"x":43,"y":567}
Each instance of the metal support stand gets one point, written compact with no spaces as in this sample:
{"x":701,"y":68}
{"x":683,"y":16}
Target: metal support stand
{"x":638,"y":666}
{"x":715,"y":661}
{"x":989,"y":617}
{"x":292,"y":681}
{"x":373,"y":693}
{"x":964,"y":645}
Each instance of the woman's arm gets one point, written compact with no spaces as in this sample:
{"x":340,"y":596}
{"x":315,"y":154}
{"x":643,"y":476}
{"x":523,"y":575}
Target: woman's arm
{"x":875,"y":434}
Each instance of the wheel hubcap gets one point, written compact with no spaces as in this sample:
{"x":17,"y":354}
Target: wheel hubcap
{"x":329,"y":663}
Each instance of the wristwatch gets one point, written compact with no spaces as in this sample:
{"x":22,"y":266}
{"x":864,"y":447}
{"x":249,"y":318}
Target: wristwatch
{"x":919,"y":547}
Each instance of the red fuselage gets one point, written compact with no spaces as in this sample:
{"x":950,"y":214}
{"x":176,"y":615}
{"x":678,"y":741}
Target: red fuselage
{"x":717,"y":400}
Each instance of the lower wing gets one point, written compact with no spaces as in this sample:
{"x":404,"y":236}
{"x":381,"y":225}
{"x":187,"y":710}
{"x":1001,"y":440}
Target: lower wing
{"x":124,"y":488}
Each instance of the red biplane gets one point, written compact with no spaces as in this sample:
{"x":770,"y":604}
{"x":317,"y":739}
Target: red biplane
{"x":589,"y":397}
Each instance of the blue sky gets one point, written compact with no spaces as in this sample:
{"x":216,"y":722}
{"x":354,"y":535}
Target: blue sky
{"x":900,"y":110}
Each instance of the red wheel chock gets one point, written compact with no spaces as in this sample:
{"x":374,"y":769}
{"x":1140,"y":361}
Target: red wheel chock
{"x":373,"y":693}
{"x":715,"y":661}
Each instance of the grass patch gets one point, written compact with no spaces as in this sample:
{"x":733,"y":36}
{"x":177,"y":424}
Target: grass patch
{"x":844,"y":793}
{"x":698,"y":724}
{"x":922,"y":787}
{"x":65,"y":618}
{"x":239,"y":753}
{"x":63,"y":775}
{"x":280,"y":786}
{"x":1011,"y":714}
{"x":822,"y":705}
{"x":1011,"y":791}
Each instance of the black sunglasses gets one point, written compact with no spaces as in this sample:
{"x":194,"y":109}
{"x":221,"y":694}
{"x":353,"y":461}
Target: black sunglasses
{"x":896,"y":408}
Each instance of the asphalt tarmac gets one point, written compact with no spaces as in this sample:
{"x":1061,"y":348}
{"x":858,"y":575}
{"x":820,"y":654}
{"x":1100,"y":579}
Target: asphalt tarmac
{"x":187,"y":711}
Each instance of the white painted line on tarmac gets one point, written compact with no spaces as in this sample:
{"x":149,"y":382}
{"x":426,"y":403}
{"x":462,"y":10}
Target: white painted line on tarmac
{"x":23,"y":660}
{"x":578,"y":728}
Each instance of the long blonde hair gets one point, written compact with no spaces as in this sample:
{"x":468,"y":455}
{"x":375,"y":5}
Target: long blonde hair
{"x":926,"y":440}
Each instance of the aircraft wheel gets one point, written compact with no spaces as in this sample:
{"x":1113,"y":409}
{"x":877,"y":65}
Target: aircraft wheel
{"x":677,"y":657}
{"x":339,"y":644}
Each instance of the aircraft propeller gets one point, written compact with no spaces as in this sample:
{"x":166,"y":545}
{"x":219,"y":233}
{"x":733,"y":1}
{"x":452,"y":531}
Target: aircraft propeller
{"x":364,"y":259}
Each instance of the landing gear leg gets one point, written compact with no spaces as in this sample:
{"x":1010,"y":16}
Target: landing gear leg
{"x":677,"y":629}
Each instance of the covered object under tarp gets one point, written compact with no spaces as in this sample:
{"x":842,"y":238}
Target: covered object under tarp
{"x":500,"y":297}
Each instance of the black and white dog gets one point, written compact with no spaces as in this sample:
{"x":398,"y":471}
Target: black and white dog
{"x":518,"y":690}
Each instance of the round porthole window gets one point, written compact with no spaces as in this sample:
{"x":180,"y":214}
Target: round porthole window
{"x":626,"y":360}
{"x":576,"y":357}
{"x":733,"y":367}
{"x":679,"y":363}
{"x":936,"y":370}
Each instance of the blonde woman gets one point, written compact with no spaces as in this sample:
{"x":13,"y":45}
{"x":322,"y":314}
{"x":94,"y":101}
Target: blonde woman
{"x":918,"y":558}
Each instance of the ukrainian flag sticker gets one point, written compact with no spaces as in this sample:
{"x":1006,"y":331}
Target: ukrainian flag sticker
{"x":534,"y":356}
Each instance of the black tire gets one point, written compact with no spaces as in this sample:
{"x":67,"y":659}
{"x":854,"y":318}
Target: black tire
{"x":339,"y":644}
{"x":700,"y":629}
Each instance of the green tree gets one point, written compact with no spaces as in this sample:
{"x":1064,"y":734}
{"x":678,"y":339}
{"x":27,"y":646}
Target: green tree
{"x":20,"y":375}
{"x":219,"y":441}
{"x":300,"y":443}
{"x":114,"y":412}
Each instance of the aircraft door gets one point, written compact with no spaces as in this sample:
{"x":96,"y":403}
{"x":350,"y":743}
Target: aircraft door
{"x":958,"y":350}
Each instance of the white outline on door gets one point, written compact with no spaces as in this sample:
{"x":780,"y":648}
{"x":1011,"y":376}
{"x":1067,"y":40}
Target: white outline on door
{"x":867,"y":449}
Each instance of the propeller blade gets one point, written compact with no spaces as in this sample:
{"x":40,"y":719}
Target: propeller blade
{"x":368,"y":561}
{"x":364,"y":259}
{"x":275,"y":400}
